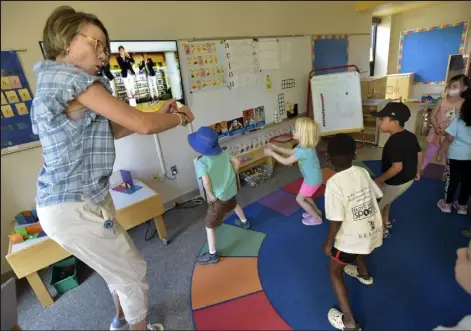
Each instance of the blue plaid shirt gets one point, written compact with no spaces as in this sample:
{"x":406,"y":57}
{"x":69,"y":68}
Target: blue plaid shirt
{"x":78,"y":154}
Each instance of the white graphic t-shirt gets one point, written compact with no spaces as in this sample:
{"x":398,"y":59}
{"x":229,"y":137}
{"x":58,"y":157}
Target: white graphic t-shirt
{"x":350,"y":198}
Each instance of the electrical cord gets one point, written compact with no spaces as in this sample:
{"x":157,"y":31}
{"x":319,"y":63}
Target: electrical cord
{"x":196,"y":202}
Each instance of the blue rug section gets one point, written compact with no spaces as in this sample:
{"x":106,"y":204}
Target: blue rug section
{"x":414,"y":289}
{"x":375,"y":166}
{"x":263,"y":219}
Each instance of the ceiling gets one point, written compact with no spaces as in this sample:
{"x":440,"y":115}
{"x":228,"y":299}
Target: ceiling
{"x":386,"y":8}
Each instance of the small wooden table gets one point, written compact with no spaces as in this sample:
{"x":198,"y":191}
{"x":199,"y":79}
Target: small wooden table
{"x":131,"y":210}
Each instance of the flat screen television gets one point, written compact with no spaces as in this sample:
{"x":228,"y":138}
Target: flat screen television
{"x":143,"y":72}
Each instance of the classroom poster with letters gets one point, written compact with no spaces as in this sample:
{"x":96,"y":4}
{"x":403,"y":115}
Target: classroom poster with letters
{"x":16,"y":103}
{"x":206,"y":70}
{"x":242,"y":62}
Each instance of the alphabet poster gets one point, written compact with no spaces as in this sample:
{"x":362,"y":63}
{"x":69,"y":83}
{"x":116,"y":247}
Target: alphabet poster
{"x":204,"y":64}
{"x":16,"y":103}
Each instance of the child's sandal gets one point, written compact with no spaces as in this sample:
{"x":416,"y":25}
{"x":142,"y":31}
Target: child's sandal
{"x":335,"y":318}
{"x":352,"y":271}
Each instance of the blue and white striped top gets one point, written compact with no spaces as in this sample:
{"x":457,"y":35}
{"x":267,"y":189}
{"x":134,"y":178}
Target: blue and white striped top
{"x":78,"y":154}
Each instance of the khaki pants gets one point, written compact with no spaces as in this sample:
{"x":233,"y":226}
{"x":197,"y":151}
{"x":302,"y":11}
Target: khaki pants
{"x":79,"y":228}
{"x":392,"y":192}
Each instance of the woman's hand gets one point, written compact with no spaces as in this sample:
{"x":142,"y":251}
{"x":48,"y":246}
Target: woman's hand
{"x":187,"y":111}
{"x":169,"y":107}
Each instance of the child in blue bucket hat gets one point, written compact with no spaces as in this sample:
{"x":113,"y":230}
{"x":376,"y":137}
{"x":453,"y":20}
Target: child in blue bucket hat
{"x":216,"y":168}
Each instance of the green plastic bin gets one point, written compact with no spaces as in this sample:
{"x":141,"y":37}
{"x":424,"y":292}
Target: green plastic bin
{"x":66,"y":284}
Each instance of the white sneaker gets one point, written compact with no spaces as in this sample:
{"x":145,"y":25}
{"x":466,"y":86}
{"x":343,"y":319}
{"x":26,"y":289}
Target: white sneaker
{"x":444,"y":207}
{"x":156,"y":326}
{"x":460,"y":209}
{"x":119,"y":324}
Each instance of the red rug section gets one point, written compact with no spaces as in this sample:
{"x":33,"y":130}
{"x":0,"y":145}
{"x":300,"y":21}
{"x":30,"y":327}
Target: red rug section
{"x":252,"y":312}
{"x":296,"y":185}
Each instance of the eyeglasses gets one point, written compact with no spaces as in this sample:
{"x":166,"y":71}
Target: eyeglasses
{"x":99,"y":47}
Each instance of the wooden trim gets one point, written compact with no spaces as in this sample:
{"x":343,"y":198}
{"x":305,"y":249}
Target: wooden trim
{"x":8,"y":275}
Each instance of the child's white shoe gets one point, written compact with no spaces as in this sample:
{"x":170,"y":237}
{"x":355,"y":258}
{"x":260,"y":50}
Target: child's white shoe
{"x":444,"y":207}
{"x":460,"y":209}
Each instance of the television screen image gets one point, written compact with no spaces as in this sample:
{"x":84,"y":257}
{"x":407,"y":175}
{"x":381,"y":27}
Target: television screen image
{"x":144,"y":73}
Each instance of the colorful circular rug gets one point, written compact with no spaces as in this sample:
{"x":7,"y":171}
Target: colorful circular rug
{"x":275,"y":277}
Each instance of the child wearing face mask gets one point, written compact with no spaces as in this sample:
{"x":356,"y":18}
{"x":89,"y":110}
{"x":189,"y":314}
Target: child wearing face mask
{"x":456,"y":90}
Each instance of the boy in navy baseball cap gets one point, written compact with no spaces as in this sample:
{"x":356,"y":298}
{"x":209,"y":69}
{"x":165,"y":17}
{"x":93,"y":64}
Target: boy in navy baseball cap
{"x":402,"y":158}
{"x":217,"y":170}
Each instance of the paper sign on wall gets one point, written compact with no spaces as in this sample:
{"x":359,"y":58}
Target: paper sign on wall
{"x":206,"y":70}
{"x":242,"y":64}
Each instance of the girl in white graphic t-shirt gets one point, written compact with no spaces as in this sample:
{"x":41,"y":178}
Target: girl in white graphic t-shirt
{"x":356,"y":227}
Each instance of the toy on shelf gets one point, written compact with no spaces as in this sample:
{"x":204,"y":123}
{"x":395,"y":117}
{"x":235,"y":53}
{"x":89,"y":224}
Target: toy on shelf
{"x":27,"y":217}
{"x":127,"y":185}
{"x":257,"y":175}
{"x":27,"y":227}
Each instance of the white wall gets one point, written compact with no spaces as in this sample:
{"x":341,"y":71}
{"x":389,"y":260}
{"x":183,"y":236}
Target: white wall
{"x":131,"y":20}
{"x":383,"y":39}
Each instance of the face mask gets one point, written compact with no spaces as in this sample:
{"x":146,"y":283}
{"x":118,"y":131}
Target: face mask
{"x":454,"y":92}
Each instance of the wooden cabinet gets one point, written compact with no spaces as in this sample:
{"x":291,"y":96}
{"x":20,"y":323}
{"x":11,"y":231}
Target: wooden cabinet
{"x":399,"y":86}
{"x":373,"y":88}
{"x":371,"y":130}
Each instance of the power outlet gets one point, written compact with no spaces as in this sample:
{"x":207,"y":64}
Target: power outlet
{"x":174,"y":170}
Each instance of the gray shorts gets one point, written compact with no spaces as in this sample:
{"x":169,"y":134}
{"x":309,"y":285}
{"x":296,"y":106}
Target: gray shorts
{"x":392,"y":192}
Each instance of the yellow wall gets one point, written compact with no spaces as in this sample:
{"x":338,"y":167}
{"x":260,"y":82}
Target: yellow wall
{"x":22,"y":23}
{"x":447,"y":12}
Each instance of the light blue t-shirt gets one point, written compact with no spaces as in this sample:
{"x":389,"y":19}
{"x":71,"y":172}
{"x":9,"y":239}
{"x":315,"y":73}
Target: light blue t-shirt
{"x":460,"y":148}
{"x":309,"y":165}
{"x":220,"y":171}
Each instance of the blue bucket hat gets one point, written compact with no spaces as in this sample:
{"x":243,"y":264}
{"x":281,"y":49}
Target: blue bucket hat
{"x":205,"y":141}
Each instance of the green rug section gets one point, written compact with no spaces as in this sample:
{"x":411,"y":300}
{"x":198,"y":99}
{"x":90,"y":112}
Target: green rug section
{"x":233,"y":241}
{"x":364,"y":166}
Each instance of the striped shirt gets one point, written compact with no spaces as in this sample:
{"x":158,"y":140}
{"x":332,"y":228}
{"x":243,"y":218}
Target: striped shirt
{"x":78,"y":154}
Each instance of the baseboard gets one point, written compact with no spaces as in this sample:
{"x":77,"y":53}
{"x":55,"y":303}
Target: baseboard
{"x":185,"y":197}
{"x":7,"y":275}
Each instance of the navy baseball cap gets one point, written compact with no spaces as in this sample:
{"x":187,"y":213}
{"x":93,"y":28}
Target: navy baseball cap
{"x":396,"y":110}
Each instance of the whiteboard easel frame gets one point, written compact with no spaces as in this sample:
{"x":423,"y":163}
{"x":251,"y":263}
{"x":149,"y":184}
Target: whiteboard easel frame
{"x":309,"y":98}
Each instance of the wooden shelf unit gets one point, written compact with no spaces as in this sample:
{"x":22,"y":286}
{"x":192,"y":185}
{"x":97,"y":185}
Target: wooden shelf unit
{"x":370,"y":123}
{"x":257,"y":157}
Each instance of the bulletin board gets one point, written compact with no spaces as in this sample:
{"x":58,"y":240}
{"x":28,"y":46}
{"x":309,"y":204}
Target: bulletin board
{"x":336,"y":102}
{"x":329,"y":50}
{"x":16,"y":104}
{"x":229,"y":81}
{"x":425,"y":51}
